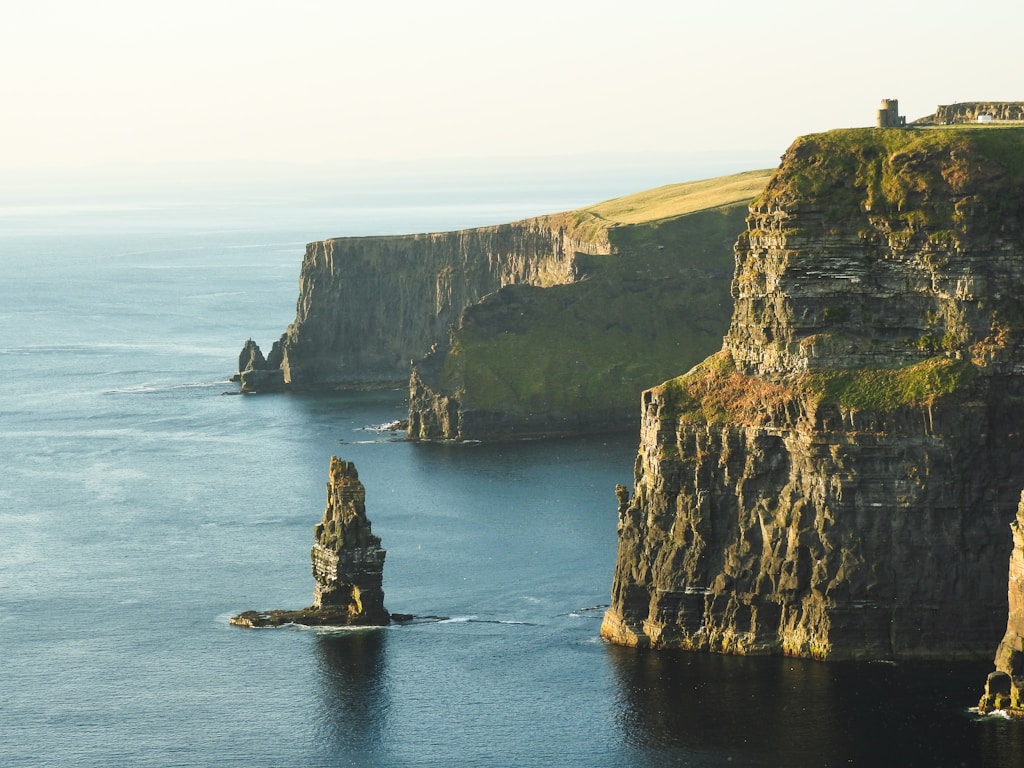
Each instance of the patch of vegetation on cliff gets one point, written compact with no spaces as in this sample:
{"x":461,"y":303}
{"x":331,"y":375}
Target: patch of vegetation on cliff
{"x":714,"y":392}
{"x":578,"y":355}
{"x":681,"y":199}
{"x":883,"y":389}
{"x":930,"y":178}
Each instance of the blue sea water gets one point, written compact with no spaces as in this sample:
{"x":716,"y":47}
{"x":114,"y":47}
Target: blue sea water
{"x":143,"y":503}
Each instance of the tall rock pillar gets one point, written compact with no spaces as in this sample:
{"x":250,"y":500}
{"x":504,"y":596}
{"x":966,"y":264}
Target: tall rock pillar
{"x":1004,"y":688}
{"x":348,"y":561}
{"x":348,"y":564}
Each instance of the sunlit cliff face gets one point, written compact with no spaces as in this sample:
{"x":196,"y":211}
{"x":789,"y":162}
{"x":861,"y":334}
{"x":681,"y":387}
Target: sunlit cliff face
{"x":796,"y":493}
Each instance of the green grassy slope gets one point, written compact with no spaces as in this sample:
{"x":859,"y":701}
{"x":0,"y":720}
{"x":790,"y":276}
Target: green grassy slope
{"x":657,"y":305}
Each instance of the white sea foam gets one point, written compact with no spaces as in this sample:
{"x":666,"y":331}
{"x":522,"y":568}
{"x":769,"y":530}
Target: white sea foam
{"x":388,"y":426}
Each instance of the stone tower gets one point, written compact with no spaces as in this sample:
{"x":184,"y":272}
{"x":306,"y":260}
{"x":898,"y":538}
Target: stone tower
{"x":888,"y":115}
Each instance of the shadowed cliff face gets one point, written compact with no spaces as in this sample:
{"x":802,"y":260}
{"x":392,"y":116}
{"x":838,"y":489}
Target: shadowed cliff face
{"x":572,"y":359}
{"x":838,"y":481}
{"x":369,"y":305}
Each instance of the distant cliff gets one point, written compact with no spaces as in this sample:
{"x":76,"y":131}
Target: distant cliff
{"x":838,"y":481}
{"x":368,"y":305}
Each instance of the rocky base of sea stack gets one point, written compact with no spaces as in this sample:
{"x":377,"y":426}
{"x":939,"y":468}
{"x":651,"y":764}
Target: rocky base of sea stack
{"x":314,"y":617}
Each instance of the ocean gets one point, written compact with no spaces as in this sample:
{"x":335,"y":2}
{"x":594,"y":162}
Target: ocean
{"x":144,"y":502}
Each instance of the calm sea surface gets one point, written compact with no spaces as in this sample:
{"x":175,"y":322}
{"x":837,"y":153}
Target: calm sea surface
{"x":142,"y":504}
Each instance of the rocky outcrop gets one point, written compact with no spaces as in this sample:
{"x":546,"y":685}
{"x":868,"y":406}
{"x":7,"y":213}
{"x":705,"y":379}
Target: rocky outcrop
{"x":259,"y":374}
{"x":369,"y":305}
{"x":1004,"y":689}
{"x":970,"y":111}
{"x":347,"y":561}
{"x":837,"y":481}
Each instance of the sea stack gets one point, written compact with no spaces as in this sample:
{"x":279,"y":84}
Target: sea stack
{"x":1004,"y":689}
{"x":347,"y":561}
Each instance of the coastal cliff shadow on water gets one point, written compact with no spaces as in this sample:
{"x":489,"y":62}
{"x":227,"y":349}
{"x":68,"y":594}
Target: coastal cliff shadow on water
{"x":354,"y":697}
{"x":768,"y":711}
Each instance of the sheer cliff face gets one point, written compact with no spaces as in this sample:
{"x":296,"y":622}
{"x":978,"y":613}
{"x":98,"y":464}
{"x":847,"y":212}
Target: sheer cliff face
{"x":369,"y":305}
{"x":838,"y":481}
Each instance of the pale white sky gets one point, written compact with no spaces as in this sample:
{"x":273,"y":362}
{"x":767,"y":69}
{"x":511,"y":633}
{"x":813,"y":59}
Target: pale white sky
{"x":328,"y":82}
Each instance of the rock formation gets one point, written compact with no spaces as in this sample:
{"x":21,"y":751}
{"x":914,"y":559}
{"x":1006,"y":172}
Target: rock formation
{"x":1004,"y":689}
{"x":970,"y":111}
{"x":348,"y":563}
{"x":257,"y":374}
{"x":837,"y":481}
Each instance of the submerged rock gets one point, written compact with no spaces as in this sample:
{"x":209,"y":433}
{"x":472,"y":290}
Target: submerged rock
{"x":347,"y":563}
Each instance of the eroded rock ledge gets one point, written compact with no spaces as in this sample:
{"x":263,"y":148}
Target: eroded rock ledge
{"x":838,"y":481}
{"x":347,"y":563}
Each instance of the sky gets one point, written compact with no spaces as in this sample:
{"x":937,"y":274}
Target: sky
{"x":325,"y":83}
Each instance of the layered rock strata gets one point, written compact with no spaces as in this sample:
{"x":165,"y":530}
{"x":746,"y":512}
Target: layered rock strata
{"x":836,"y":482}
{"x":369,"y":305}
{"x":347,"y":562}
{"x":1004,"y":689}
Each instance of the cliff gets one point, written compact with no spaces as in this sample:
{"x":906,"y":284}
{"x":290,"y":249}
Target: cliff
{"x":837,"y":481}
{"x":572,"y":358}
{"x":347,"y":563}
{"x":369,"y":305}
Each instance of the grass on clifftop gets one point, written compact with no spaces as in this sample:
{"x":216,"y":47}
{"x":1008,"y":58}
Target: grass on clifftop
{"x":920,"y":175}
{"x":680,"y":199}
{"x":667,"y":202}
{"x":715,"y":392}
